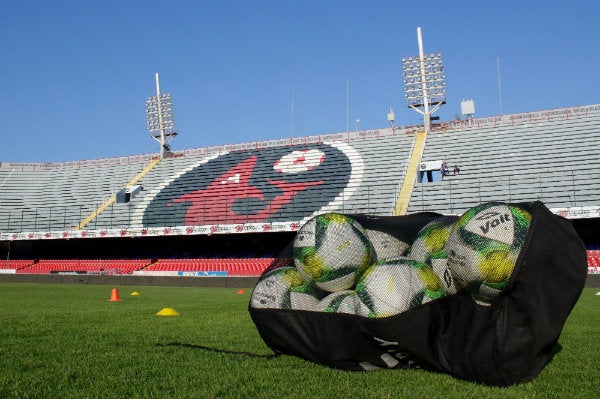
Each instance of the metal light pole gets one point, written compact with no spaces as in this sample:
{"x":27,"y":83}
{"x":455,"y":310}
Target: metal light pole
{"x":424,"y":82}
{"x":160,"y":121}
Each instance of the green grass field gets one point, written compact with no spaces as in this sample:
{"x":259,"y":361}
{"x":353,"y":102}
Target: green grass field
{"x":69,"y":341}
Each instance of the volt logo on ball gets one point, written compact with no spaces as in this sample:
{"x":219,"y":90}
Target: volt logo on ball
{"x":494,"y":223}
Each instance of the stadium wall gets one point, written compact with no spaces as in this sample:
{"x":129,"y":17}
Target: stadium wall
{"x":592,"y":281}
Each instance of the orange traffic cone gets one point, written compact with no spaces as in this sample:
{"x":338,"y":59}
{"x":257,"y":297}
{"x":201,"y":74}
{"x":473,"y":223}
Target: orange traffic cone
{"x":114,"y":295}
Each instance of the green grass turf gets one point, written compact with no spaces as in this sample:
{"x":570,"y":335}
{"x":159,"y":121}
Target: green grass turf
{"x":69,"y":341}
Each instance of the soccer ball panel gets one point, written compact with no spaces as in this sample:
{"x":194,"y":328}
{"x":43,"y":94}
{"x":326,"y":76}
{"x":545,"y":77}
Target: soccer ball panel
{"x":284,"y":288}
{"x":386,"y":246}
{"x":332,"y":250}
{"x":442,"y":270}
{"x":431,"y":240}
{"x":338,"y":302}
{"x":393,"y":287}
{"x":430,"y":247}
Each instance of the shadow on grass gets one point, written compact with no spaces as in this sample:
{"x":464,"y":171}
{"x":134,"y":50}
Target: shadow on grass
{"x":217,"y":350}
{"x":556,"y":349}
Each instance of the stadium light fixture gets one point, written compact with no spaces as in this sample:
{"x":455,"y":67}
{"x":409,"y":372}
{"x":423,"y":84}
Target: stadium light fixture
{"x":160,"y":120}
{"x":390,"y":118}
{"x":424,"y":82}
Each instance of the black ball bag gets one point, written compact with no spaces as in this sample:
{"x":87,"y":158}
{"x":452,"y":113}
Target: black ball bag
{"x":506,"y":343}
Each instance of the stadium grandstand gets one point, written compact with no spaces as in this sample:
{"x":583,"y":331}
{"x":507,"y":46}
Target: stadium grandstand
{"x":228,"y":210}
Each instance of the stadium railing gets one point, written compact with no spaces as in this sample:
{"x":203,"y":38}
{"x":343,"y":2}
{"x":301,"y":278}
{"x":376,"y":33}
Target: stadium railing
{"x":233,"y":267}
{"x":92,"y":266}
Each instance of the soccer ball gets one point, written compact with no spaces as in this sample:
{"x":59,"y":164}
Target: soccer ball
{"x":386,"y":246}
{"x":431,"y":240}
{"x":430,"y":247}
{"x":484,"y":246}
{"x":338,"y":302}
{"x":395,"y":286}
{"x":284,"y":288}
{"x":332,"y":250}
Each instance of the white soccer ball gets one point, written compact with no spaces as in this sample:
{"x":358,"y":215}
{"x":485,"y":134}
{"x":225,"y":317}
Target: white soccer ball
{"x":484,"y":246}
{"x":386,"y":246}
{"x":395,"y":286}
{"x":338,"y":302}
{"x":430,"y":247}
{"x":333,"y":251}
{"x":285,"y":288}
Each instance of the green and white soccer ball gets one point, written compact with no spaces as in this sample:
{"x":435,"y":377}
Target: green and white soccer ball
{"x":338,"y":302}
{"x":333,"y":251}
{"x":484,"y":246}
{"x":285,"y":288}
{"x":386,"y":246}
{"x":430,"y":247}
{"x":395,"y":286}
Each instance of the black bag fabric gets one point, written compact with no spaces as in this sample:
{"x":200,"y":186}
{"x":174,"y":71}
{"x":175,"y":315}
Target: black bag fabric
{"x":506,"y":343}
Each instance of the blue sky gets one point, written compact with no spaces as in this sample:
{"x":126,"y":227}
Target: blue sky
{"x":75,"y":75}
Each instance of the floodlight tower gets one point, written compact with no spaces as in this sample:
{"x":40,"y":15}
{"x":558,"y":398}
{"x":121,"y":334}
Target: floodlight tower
{"x":159,"y":113}
{"x":424,"y":82}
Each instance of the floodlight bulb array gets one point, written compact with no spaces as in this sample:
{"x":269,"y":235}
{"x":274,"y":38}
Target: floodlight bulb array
{"x":426,"y":74}
{"x":159,"y":113}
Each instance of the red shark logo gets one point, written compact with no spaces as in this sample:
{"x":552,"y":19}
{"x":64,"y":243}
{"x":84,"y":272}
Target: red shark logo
{"x":214,"y":204}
